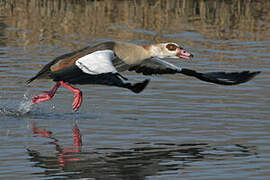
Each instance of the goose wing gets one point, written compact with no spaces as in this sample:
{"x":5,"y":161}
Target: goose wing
{"x":158,"y":66}
{"x":155,"y":66}
{"x":67,"y":60}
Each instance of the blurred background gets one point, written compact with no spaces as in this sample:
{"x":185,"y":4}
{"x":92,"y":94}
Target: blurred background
{"x":177,"y":128}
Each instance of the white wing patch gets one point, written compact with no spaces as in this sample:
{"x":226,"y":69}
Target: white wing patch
{"x":97,"y":62}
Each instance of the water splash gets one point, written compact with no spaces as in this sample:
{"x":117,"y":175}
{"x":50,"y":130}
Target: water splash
{"x":26,"y":105}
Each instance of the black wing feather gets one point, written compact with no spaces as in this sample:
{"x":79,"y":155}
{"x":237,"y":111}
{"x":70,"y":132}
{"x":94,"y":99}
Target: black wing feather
{"x":75,"y":75}
{"x":157,"y":66}
{"x":222,"y":78}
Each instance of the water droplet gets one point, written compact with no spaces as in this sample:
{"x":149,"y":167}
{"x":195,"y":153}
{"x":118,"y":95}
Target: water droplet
{"x":26,"y":105}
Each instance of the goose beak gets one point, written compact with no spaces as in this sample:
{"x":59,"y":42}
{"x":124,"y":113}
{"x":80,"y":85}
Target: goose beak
{"x":184,"y":54}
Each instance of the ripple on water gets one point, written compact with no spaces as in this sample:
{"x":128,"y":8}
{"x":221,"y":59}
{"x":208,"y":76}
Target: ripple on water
{"x":178,"y":127}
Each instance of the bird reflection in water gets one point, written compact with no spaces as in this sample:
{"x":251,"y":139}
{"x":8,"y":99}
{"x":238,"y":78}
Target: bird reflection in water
{"x":142,"y":160}
{"x":64,"y":154}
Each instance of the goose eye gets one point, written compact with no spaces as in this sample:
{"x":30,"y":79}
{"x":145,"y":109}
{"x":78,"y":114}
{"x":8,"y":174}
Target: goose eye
{"x":171,"y":47}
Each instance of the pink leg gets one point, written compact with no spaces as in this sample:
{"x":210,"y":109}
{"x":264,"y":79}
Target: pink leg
{"x":77,"y":95}
{"x":46,"y":97}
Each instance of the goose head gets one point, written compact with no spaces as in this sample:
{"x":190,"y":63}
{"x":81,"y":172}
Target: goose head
{"x":169,"y":50}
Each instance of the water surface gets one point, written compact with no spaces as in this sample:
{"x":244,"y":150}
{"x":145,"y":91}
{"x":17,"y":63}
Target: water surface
{"x":177,"y":128}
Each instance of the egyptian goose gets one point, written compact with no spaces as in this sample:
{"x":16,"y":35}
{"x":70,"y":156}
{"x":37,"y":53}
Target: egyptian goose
{"x":101,"y":64}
